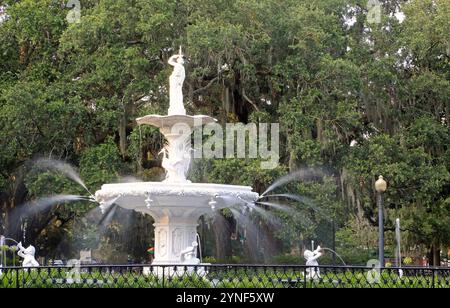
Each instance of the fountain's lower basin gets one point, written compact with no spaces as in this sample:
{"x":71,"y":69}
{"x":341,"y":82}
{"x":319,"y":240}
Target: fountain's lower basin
{"x":176,"y":208}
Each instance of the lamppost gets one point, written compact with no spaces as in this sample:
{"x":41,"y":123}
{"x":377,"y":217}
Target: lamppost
{"x":380,"y":187}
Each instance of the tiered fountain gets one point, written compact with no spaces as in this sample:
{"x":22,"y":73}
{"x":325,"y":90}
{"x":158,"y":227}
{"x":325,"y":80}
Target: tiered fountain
{"x":175,"y":204}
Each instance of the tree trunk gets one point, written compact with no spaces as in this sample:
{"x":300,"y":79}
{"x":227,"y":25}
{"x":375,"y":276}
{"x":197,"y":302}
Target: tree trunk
{"x":292,"y":158}
{"x":435,"y":255}
{"x":191,"y":93}
{"x":123,"y":134}
{"x":319,"y":125}
{"x":222,"y":234}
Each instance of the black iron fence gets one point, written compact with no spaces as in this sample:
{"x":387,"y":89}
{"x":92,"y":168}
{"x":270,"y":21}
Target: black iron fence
{"x":223,"y":276}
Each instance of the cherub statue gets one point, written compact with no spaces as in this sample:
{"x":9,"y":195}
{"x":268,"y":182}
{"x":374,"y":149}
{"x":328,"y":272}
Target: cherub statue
{"x":189,"y":255}
{"x":27,"y":255}
{"x":311,"y":260}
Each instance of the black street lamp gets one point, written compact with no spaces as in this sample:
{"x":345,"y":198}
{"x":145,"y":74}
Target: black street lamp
{"x":380,"y":187}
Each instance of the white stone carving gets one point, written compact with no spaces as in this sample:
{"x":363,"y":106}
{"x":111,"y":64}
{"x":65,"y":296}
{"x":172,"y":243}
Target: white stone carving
{"x":162,"y":243}
{"x":176,"y":81}
{"x":189,"y":255}
{"x":311,"y":257}
{"x":177,"y":235}
{"x":27,"y":255}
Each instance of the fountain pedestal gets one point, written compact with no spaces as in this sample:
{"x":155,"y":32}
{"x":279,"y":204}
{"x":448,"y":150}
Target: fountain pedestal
{"x":171,"y":239}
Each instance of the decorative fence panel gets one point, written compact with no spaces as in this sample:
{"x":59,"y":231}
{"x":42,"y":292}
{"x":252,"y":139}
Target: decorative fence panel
{"x":223,"y":276}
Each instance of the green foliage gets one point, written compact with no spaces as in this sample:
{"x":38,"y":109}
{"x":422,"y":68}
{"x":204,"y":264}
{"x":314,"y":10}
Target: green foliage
{"x":407,"y":261}
{"x":72,"y":92}
{"x":101,"y":164}
{"x":288,"y":259}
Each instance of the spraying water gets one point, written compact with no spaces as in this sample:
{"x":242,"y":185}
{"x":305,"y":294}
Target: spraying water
{"x":12,"y":240}
{"x":303,"y":174}
{"x":42,"y":204}
{"x":252,"y":206}
{"x":336,"y":254}
{"x":64,"y":168}
{"x":277,"y":206}
{"x":303,"y":200}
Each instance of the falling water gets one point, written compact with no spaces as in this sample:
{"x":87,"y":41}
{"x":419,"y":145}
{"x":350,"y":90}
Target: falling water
{"x":108,"y":209}
{"x":220,"y":228}
{"x":199,"y":247}
{"x":105,"y":205}
{"x":398,"y":253}
{"x":3,"y":252}
{"x":251,"y":231}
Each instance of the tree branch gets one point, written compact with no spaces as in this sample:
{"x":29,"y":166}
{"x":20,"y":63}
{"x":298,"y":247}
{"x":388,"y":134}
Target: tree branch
{"x":249,"y":100}
{"x":211,"y":82}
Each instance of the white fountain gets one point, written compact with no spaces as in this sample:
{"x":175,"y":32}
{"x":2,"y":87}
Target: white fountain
{"x":175,"y":204}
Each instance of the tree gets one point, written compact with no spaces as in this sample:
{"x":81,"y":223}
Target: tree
{"x":355,"y":98}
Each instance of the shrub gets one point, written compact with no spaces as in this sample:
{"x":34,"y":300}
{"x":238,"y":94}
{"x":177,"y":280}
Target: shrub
{"x":209,"y":259}
{"x":407,"y":261}
{"x":288,"y":259}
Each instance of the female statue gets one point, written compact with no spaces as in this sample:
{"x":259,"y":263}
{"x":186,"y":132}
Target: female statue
{"x":176,"y":85}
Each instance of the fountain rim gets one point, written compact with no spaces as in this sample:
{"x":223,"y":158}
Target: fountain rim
{"x":180,"y":185}
{"x":176,"y":189}
{"x":168,"y":121}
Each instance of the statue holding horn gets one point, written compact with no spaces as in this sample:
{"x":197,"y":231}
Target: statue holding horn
{"x":176,"y":84}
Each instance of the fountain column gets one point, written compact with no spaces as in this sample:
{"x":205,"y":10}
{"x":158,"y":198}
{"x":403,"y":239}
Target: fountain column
{"x":171,"y":239}
{"x":175,"y":226}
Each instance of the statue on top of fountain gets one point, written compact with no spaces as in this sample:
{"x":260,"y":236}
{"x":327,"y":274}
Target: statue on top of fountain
{"x":27,"y":255}
{"x":176,"y":80}
{"x":176,"y":126}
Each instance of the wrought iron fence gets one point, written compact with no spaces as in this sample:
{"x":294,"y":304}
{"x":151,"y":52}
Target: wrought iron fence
{"x":222,"y":276}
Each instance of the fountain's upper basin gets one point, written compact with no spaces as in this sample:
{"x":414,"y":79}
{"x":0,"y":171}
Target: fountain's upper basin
{"x":169,"y":121}
{"x":161,"y":199}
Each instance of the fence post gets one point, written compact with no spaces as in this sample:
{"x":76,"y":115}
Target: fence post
{"x":17,"y":278}
{"x":163,"y":277}
{"x":432,"y":279}
{"x":304,"y":278}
